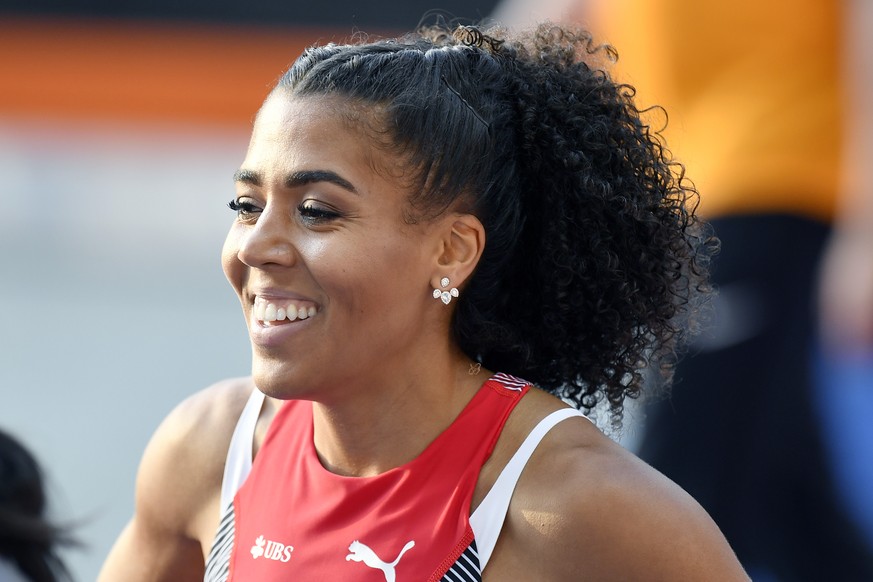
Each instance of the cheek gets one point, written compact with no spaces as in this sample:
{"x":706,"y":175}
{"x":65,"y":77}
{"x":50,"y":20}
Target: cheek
{"x":230,"y":263}
{"x":365,"y":277}
{"x":394,"y":274}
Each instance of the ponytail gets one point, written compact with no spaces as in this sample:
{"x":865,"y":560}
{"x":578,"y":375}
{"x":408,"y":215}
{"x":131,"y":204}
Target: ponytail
{"x":595,"y":264}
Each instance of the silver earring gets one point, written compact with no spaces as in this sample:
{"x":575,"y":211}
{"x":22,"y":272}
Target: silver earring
{"x":445,"y":296}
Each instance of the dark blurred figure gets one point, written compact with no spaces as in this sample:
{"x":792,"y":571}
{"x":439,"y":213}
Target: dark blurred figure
{"x":771,"y":109}
{"x":28,"y":542}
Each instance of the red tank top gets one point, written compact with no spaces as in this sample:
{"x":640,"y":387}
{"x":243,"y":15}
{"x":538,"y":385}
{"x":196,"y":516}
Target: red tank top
{"x":297,"y":521}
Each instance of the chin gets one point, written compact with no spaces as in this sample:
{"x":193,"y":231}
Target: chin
{"x":278,"y":379}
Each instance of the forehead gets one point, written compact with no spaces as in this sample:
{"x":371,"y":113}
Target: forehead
{"x":290,"y":126}
{"x":327,"y":133}
{"x":291,"y":131}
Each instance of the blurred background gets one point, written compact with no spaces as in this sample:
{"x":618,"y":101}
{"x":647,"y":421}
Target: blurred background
{"x":121,"y":124}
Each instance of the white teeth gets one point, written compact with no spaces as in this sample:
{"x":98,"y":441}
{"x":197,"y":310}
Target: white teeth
{"x":269,"y":312}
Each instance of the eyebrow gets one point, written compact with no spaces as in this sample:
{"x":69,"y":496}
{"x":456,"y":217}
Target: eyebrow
{"x":296,"y":179}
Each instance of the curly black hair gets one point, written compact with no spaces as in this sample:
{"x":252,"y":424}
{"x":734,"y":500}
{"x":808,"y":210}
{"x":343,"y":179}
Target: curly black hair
{"x":595,"y":263}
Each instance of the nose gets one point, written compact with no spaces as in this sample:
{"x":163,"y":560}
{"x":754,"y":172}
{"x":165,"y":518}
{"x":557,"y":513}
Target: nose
{"x":267,"y":242}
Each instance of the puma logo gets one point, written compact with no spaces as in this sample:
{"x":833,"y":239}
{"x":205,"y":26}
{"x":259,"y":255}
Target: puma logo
{"x":362,"y":553}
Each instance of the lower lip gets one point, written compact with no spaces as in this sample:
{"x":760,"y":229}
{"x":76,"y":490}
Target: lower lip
{"x":273,"y":335}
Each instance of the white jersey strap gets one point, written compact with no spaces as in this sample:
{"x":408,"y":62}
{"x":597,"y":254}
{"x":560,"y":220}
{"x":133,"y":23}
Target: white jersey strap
{"x":487,"y":520}
{"x":239,"y":453}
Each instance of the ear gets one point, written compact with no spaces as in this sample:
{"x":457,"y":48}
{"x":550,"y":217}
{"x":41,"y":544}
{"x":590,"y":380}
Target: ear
{"x":461,"y":245}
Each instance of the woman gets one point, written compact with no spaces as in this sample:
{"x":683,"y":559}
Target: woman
{"x":414,"y":215}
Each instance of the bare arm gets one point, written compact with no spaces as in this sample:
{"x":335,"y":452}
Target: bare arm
{"x":847,"y":273}
{"x":178,"y":485}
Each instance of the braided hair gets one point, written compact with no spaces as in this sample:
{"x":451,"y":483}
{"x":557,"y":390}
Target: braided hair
{"x":595,"y":264}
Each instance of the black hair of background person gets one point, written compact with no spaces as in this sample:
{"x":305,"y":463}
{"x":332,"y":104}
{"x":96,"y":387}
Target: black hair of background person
{"x":369,"y":14}
{"x":27,"y":539}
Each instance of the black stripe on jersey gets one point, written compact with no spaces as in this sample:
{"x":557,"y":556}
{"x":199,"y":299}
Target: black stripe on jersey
{"x":510,"y":382}
{"x":218,"y":562}
{"x":466,"y":568}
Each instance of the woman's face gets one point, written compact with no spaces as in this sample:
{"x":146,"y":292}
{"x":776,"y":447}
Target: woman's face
{"x":320,"y":239}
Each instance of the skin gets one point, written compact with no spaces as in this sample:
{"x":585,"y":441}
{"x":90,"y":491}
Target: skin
{"x":377,"y":361}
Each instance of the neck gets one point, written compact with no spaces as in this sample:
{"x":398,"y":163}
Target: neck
{"x":388,"y":419}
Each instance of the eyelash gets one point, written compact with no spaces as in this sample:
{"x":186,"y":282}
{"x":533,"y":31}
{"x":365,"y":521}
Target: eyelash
{"x":309,"y":214}
{"x":242,"y":209}
{"x":315,"y":214}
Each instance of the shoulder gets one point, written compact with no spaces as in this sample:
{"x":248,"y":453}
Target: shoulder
{"x":584,"y":505}
{"x":178,"y":488}
{"x":183,"y":464}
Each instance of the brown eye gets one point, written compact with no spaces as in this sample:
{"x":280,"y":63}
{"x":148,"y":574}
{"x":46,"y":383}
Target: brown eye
{"x":312,"y":212}
{"x":242,"y":208}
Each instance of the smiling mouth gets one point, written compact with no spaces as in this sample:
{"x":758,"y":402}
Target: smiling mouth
{"x":282,"y":312}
